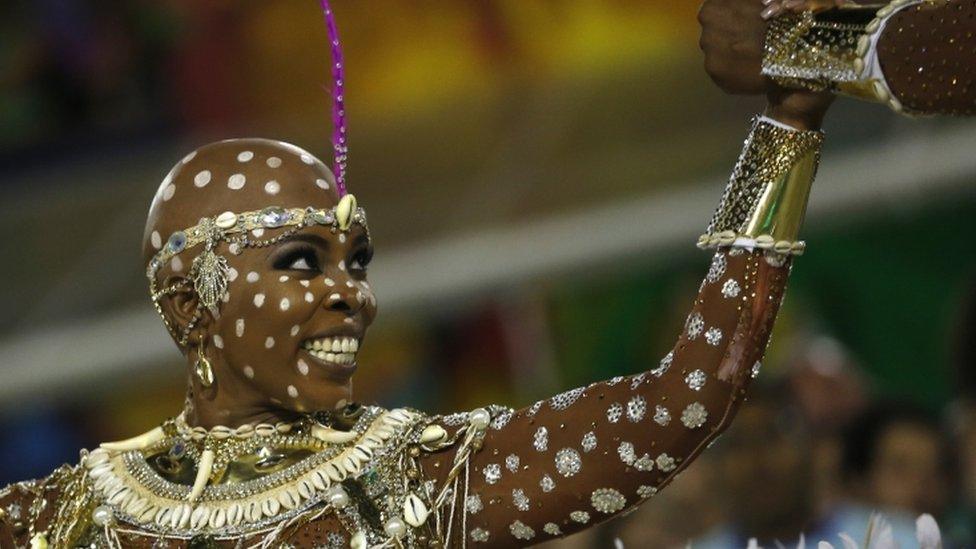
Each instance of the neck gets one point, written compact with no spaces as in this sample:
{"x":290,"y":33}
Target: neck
{"x":230,"y":403}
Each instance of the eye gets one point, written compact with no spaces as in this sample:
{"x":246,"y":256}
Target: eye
{"x":301,"y":258}
{"x":361,"y":260}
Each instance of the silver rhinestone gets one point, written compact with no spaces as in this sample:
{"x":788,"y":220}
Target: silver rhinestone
{"x":568,"y":462}
{"x":696,"y":380}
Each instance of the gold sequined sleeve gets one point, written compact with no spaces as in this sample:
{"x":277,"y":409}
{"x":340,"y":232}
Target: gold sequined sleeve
{"x":927,"y":53}
{"x":588,"y":454}
{"x":916,"y":56}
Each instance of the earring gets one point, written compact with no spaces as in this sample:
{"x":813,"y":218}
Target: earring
{"x":202,"y":369}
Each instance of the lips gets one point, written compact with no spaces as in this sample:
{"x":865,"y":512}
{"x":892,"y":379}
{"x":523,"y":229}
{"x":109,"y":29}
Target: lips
{"x":337,"y":353}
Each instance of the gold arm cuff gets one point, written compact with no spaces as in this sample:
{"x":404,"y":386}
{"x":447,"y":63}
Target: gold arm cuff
{"x":766,"y":198}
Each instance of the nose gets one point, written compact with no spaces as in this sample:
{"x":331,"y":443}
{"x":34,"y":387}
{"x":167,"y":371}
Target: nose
{"x":344,"y":300}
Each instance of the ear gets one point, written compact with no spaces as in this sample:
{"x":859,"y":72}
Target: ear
{"x":181,"y":306}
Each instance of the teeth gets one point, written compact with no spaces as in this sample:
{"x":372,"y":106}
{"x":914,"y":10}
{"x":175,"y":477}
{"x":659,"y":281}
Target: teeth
{"x":339,"y":350}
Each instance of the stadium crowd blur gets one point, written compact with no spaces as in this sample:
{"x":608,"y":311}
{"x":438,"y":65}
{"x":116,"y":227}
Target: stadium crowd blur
{"x":467,"y":118}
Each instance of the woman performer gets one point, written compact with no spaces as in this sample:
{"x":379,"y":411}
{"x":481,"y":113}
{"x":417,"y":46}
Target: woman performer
{"x":256,"y":258}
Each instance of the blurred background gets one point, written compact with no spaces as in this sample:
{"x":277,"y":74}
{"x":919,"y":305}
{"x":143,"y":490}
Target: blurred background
{"x":536,"y":174}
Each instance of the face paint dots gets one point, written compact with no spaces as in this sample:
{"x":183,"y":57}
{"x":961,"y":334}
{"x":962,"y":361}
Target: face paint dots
{"x":176,"y":264}
{"x":201,"y":179}
{"x":258,"y":233}
{"x":349,"y":284}
{"x":307,"y":158}
{"x":292,"y":391}
{"x":189,"y":157}
{"x":342,"y":264}
{"x":348,"y":320}
{"x":295,"y":329}
{"x":218,"y":341}
{"x":236,"y":182}
{"x":302,"y":367}
{"x":342,"y":238}
{"x":329,"y":282}
{"x":283,"y":278}
{"x":258,"y":300}
{"x":249,"y":372}
{"x":272,"y":187}
{"x":253,"y":277}
{"x":239,"y":327}
{"x":269,"y":342}
{"x":156,"y":240}
{"x":168,"y":192}
{"x":232,"y":274}
{"x":245,"y":156}
{"x":309,"y":297}
{"x":285,"y":304}
{"x":322,"y":184}
{"x":273,"y":162}
{"x":304,"y":283}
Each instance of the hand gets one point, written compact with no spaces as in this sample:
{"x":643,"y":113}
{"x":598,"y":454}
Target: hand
{"x":732,"y":38}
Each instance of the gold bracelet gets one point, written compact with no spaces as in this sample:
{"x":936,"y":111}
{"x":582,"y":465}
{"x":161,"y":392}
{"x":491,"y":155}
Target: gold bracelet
{"x":766,"y":198}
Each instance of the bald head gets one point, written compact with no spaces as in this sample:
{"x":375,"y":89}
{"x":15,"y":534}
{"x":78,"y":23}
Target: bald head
{"x":236,"y":175}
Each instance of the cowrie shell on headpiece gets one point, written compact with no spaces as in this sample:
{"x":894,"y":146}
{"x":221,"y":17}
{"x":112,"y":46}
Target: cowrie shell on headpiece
{"x":344,"y":211}
{"x":226,"y":220}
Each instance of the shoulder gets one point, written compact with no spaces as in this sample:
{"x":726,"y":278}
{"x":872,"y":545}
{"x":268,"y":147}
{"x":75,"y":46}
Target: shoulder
{"x":28,"y":508}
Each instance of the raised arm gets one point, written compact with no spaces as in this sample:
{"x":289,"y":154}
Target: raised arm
{"x":585,"y":455}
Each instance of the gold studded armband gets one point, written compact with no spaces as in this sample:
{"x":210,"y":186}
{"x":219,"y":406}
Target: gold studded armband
{"x":833,"y":50}
{"x":766,"y":198}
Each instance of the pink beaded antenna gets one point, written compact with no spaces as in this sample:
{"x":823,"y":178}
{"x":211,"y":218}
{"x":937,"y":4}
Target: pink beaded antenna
{"x":338,"y":109}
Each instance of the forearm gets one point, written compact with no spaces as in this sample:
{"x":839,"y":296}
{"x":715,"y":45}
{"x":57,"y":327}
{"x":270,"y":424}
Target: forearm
{"x":587,"y":454}
{"x":913,"y":55}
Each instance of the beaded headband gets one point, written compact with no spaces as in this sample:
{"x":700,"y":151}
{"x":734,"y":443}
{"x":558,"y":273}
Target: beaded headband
{"x":208,"y":274}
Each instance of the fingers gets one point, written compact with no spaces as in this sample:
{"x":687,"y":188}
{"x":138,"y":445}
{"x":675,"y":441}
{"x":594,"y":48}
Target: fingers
{"x":772,"y":9}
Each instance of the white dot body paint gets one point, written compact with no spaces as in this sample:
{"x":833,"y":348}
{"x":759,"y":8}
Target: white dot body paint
{"x":272,"y":187}
{"x":259,"y":232}
{"x":269,"y":342}
{"x":304,"y":283}
{"x":253,"y":276}
{"x":295,"y":329}
{"x":302,"y":367}
{"x":245,"y":156}
{"x":189,"y":157}
{"x":156,"y":240}
{"x":309,"y":297}
{"x":292,"y":391}
{"x":348,"y":320}
{"x":307,"y":159}
{"x":258,"y":300}
{"x":218,"y":341}
{"x":273,"y":162}
{"x":349,"y":284}
{"x":236,"y":182}
{"x":239,"y":327}
{"x":232,"y":274}
{"x":322,"y":184}
{"x":285,"y":304}
{"x":249,"y":372}
{"x":342,"y":264}
{"x":329,"y":282}
{"x":283,"y":278}
{"x":176,"y":264}
{"x":335,"y":297}
{"x":202,"y":178}
{"x":342,"y":238}
{"x":168,"y":192}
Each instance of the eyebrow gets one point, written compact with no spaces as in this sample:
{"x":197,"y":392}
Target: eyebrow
{"x":313,"y":239}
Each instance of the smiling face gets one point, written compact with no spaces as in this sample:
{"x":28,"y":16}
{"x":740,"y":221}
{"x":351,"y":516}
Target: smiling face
{"x":296,"y":311}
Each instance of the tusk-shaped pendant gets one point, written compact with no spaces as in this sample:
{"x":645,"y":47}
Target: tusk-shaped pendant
{"x":326,"y":434}
{"x":204,"y":468}
{"x":140,"y":442}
